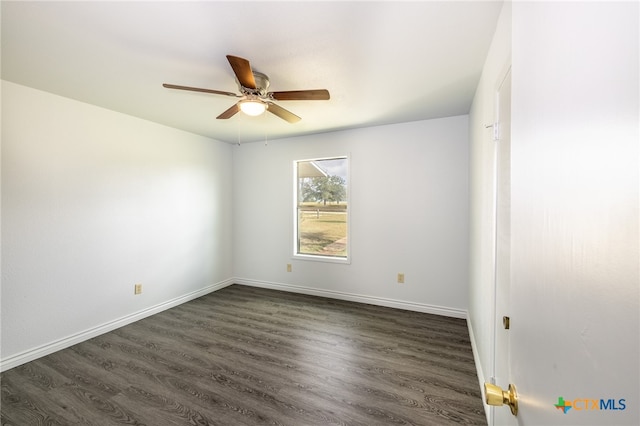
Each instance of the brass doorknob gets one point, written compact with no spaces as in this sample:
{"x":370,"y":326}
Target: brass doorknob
{"x":494,"y":395}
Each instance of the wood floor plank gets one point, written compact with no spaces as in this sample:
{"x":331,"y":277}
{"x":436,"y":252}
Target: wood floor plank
{"x":252,"y":356}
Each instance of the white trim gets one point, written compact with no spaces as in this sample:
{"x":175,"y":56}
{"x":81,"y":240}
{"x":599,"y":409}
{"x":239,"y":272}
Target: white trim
{"x":371,"y":300}
{"x":49,"y":348}
{"x":482,"y":379}
{"x":320,"y":258}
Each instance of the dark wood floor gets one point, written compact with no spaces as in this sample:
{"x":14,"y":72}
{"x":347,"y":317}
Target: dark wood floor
{"x":250,"y":356}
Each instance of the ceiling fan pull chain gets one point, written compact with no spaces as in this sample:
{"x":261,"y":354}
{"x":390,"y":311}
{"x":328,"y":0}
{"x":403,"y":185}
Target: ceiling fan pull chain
{"x":266,"y":139}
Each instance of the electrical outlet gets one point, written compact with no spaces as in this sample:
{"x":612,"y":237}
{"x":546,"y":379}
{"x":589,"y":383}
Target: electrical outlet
{"x":400,"y":278}
{"x":137,"y":289}
{"x":288,"y":267}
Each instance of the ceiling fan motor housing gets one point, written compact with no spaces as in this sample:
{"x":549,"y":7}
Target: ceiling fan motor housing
{"x":262,"y":85}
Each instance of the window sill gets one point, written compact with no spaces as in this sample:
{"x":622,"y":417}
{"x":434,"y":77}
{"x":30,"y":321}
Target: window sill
{"x":327,"y":259}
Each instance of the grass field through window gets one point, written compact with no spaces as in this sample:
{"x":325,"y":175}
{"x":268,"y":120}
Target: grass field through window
{"x":322,"y":229}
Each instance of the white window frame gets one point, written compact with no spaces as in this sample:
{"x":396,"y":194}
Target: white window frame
{"x":316,"y":257}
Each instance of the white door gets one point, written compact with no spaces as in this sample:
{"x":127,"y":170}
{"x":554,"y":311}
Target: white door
{"x":575,"y":255}
{"x":502,"y":136}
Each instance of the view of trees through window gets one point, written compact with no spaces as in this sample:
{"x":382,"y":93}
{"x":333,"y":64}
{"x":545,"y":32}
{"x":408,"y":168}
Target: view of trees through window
{"x":321,"y":227}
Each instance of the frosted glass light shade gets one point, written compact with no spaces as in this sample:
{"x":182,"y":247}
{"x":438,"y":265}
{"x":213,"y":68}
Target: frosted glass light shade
{"x":253,"y":108}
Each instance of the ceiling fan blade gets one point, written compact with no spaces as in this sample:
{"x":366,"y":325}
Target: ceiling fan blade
{"x":282,"y":113}
{"x":230,"y":112}
{"x":301,"y":95}
{"x":197,"y":89}
{"x":242,"y":69}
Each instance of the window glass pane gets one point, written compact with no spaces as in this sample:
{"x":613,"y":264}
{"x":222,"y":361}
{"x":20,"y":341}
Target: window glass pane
{"x":321,"y":207}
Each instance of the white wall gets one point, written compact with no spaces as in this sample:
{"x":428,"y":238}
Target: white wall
{"x":409,"y":213}
{"x":94,"y":201}
{"x":482,"y":193}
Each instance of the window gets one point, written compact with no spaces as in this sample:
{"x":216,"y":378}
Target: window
{"x":321,"y":209}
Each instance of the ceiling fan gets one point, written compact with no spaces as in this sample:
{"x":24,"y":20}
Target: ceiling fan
{"x":255,"y":99}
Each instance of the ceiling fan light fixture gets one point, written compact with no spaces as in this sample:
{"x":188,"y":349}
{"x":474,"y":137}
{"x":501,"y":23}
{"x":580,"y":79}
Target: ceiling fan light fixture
{"x":254,"y":97}
{"x":252,"y":107}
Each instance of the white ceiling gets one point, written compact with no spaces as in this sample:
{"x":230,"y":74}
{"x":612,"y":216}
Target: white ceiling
{"x":383,"y":62}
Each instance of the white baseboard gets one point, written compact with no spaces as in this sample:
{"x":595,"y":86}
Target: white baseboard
{"x":31,"y":354}
{"x":379,"y":301}
{"x":482,"y":379}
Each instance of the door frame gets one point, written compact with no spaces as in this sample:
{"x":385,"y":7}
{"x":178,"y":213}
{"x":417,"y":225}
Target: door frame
{"x":500,"y":365}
